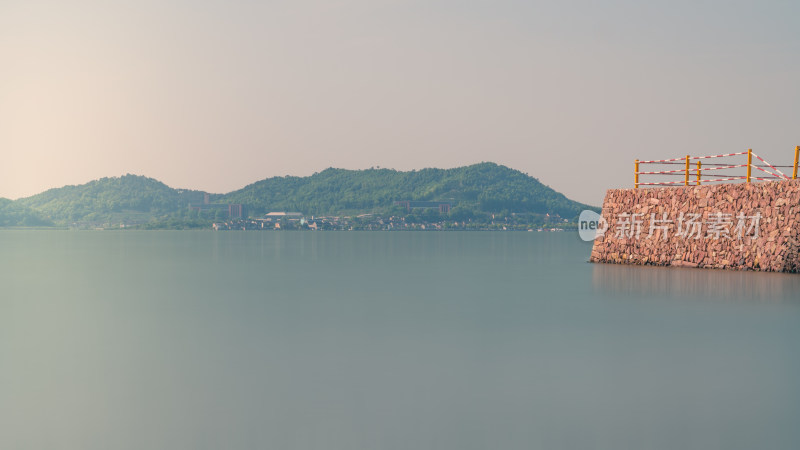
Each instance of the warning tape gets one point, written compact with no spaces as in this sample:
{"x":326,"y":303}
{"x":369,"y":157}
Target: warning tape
{"x":691,"y":157}
{"x":692,"y":183}
{"x":771,"y":172}
{"x":692,"y":169}
{"x":661,"y":160}
{"x":771,"y":166}
{"x":718,"y":156}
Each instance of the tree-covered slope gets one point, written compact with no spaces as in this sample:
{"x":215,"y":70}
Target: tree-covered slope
{"x":13,"y":214}
{"x":99,"y":198}
{"x":473,"y":190}
{"x":485,"y":187}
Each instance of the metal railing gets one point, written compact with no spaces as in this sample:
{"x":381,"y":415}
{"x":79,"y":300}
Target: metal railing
{"x":693,"y":174}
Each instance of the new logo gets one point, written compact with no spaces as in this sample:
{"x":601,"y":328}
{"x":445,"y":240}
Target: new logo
{"x":591,"y":225}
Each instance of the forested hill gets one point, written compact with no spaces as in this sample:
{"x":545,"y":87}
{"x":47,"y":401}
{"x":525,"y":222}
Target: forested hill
{"x":484,"y":187}
{"x":14,"y":214}
{"x":129,"y":195}
{"x":474,"y":191}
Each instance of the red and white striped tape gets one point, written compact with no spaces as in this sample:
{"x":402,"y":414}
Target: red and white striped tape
{"x":721,"y":167}
{"x":663,"y":171}
{"x":771,"y":166}
{"x":766,"y":171}
{"x":691,"y":158}
{"x":692,"y":169}
{"x":661,"y":160}
{"x":774,"y":173}
{"x":718,"y":156}
{"x":692,"y":183}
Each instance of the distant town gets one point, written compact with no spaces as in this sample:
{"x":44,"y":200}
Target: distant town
{"x":280,"y":220}
{"x":410,"y":216}
{"x":374,"y":222}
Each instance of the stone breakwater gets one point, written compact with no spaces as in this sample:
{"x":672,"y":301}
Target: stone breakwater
{"x":753,"y":226}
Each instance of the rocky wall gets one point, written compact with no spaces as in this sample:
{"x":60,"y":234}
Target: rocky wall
{"x":745,"y":226}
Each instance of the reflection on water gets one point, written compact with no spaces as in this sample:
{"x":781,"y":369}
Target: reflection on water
{"x":707,"y":284}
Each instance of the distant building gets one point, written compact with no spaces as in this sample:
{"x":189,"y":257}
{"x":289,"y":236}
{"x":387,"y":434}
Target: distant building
{"x":208,"y":207}
{"x":284,"y":215}
{"x":233,"y":211}
{"x":443,"y":207}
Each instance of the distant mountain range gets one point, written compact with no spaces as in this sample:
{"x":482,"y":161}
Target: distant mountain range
{"x":474,"y":190}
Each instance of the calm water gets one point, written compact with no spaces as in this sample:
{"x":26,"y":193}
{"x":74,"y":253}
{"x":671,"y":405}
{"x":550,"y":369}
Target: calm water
{"x":368,"y":340}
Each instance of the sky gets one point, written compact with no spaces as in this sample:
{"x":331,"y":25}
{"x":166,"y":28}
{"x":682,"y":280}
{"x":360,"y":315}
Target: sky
{"x":215,"y":95}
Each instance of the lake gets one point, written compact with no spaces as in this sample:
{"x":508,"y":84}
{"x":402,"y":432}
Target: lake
{"x":385,"y":340}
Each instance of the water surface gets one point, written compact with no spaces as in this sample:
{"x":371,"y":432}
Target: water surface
{"x":398,"y":340}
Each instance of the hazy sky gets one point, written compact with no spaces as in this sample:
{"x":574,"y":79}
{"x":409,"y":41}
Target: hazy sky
{"x":214,"y":95}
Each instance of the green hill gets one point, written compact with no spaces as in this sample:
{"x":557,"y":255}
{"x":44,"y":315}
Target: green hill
{"x":474,"y":191}
{"x":125,"y":196}
{"x":485,"y":187}
{"x":14,"y":214}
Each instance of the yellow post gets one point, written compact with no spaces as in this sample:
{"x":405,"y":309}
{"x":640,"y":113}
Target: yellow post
{"x":796,"y":155}
{"x":636,"y":175}
{"x":698,"y":172}
{"x":749,"y":162}
{"x":686,"y":181}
